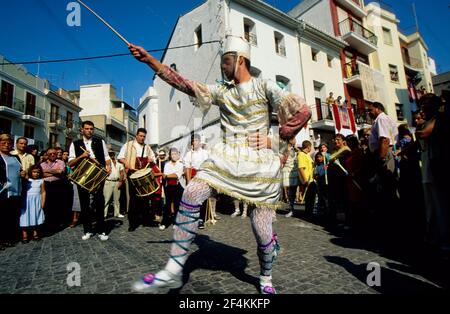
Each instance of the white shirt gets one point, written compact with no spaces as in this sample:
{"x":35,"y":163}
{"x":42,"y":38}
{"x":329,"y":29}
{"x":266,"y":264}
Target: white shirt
{"x":385,"y":127}
{"x":136,"y":146}
{"x":194,"y":158}
{"x":116,"y":168}
{"x":176,"y":168}
{"x":88,"y":145}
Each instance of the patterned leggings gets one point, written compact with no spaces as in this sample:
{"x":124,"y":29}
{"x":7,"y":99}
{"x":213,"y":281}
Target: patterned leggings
{"x":187,"y":224}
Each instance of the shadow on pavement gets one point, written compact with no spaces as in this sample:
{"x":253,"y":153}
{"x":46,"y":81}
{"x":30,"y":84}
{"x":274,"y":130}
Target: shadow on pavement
{"x":217,"y":256}
{"x":391,"y":282}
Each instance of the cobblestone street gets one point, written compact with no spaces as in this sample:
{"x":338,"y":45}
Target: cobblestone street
{"x":224,"y":261}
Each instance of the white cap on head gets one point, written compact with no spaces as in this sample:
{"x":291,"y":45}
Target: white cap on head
{"x":238,"y":45}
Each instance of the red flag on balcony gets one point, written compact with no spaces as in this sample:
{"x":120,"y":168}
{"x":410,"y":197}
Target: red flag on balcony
{"x":412,"y":92}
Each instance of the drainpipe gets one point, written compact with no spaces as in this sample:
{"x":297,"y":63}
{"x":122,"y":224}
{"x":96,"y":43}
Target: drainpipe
{"x":301,"y":30}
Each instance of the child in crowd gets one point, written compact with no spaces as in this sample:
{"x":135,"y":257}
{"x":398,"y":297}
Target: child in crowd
{"x":320,"y":176}
{"x":32,"y":213}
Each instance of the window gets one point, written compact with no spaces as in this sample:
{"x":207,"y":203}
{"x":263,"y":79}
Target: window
{"x":54,"y":111}
{"x":280,"y":48}
{"x":178,"y":105}
{"x":330,"y":61}
{"x":399,"y":109}
{"x":30,"y":108}
{"x":255,"y":72}
{"x":314,"y":54}
{"x":144,"y":121}
{"x":250,"y":32}
{"x":198,"y":37}
{"x":5,"y":126}
{"x":393,"y":71}
{"x":28,"y":131}
{"x":283,"y":82}
{"x":69,"y":120}
{"x":6,"y":96}
{"x":387,"y":36}
{"x":53,"y":140}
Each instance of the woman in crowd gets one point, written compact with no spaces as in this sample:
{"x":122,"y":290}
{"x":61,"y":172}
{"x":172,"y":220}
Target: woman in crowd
{"x":10,"y":192}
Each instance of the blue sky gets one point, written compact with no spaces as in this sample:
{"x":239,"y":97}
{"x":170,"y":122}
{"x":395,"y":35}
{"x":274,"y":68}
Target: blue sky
{"x":38,"y":29}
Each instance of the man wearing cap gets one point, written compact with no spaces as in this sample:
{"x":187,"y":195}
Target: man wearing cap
{"x":113,"y":184}
{"x":242,"y":166}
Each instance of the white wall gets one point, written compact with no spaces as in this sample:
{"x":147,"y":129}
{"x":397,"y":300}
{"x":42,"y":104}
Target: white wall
{"x":316,"y":12}
{"x":319,"y":71}
{"x":389,"y":54}
{"x":95,"y":100}
{"x":264,"y":56}
{"x":201,"y":64}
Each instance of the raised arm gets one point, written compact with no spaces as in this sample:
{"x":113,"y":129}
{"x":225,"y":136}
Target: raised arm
{"x":163,"y":71}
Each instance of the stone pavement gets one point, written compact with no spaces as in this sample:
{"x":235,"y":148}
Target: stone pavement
{"x":223,"y":261}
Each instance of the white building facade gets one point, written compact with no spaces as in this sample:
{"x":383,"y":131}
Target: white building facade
{"x":115,"y":121}
{"x":281,"y":51}
{"x":22,"y":104}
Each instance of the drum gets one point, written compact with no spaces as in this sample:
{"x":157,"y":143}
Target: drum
{"x":144,"y":182}
{"x":89,"y":175}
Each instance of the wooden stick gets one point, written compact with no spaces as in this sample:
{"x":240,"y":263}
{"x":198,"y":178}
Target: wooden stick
{"x":104,"y":22}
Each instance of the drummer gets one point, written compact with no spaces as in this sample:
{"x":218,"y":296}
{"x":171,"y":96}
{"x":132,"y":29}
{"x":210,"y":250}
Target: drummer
{"x":135,"y":155}
{"x":91,"y":207}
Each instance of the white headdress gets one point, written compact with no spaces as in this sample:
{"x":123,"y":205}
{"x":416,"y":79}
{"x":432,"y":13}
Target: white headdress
{"x":238,"y":45}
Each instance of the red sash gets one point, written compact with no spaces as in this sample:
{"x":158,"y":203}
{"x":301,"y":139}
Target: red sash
{"x":172,"y":181}
{"x":193,"y":172}
{"x":141,"y":162}
{"x":156,"y":169}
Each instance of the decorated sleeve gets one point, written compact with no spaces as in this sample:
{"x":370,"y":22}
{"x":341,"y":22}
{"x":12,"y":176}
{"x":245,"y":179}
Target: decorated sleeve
{"x":205,"y":95}
{"x":293,"y":112}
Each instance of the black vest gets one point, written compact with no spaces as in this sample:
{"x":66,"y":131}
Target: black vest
{"x":97,"y":147}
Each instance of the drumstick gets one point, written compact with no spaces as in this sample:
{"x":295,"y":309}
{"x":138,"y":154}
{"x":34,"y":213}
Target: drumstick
{"x":104,"y":22}
{"x":85,"y":151}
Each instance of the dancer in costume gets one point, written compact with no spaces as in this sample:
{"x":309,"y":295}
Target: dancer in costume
{"x":242,"y":165}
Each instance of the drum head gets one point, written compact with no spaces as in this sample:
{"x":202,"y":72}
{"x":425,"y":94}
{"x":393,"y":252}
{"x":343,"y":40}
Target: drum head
{"x":140,"y":173}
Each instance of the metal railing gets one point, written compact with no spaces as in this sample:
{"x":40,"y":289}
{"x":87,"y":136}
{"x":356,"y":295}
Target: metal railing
{"x":16,"y":104}
{"x":281,"y":50}
{"x":412,"y":62}
{"x":362,"y":116}
{"x":112,"y":141}
{"x":251,"y":38}
{"x":321,"y":113}
{"x":35,"y":112}
{"x":351,"y":69}
{"x":351,"y":25}
{"x":57,"y":119}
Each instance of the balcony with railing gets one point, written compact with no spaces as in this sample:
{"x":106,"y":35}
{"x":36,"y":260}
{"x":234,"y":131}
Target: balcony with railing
{"x":352,"y":76}
{"x":322,"y":117}
{"x":34,"y":115}
{"x":57,"y":121}
{"x":114,"y":143}
{"x":358,"y":36}
{"x":412,"y":65}
{"x":72,"y":128}
{"x":13,"y":107}
{"x":354,"y":6}
{"x":362,"y":117}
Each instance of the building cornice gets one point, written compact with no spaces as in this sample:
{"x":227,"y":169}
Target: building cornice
{"x":51,"y":94}
{"x":23,"y":84}
{"x":303,"y":28}
{"x":316,"y":35}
